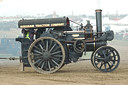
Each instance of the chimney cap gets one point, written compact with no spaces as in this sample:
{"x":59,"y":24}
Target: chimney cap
{"x":98,"y":10}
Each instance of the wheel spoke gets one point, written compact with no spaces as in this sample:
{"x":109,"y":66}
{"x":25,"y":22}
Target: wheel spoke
{"x":104,"y":54}
{"x":99,"y":58}
{"x":98,"y":63}
{"x":56,"y":48}
{"x":113,"y":56}
{"x":41,"y":46}
{"x":36,"y":54}
{"x":35,"y":58}
{"x":55,"y":53}
{"x":37,"y":48}
{"x":51,"y":63}
{"x":42,"y":66}
{"x":52,"y":48}
{"x":109,"y":53}
{"x":60,"y":56}
{"x":40,"y":62}
{"x":105,"y":67}
{"x":43,"y":42}
{"x":50,"y":44}
{"x":101,"y":65}
{"x":37,"y":51}
{"x":37,"y":61}
{"x":49,"y":66}
{"x":55,"y":62}
{"x":113,"y":61}
{"x":47,"y":46}
{"x":109,"y":65}
{"x":57,"y":59}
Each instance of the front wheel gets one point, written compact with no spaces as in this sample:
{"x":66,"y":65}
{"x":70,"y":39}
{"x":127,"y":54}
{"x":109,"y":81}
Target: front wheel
{"x":106,"y":59}
{"x":46,"y":55}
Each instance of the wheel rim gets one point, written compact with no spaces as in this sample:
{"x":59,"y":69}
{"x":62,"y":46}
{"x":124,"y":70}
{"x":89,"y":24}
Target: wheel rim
{"x":92,"y":59}
{"x":106,"y":59}
{"x":46,"y":55}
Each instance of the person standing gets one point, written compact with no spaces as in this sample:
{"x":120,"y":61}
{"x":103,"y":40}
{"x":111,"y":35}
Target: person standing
{"x":28,"y":33}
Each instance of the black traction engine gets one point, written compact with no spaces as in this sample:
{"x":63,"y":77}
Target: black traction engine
{"x":55,"y":44}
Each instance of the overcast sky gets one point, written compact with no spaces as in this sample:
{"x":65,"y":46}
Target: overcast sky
{"x":62,"y":7}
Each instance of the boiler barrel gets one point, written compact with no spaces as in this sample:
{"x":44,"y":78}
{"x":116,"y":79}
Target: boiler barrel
{"x":92,"y":46}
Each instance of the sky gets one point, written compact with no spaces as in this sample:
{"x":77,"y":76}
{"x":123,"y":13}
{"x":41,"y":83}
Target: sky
{"x":62,"y":7}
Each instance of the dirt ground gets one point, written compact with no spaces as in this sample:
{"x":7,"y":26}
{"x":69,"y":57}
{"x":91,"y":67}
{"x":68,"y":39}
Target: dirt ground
{"x":80,"y":73}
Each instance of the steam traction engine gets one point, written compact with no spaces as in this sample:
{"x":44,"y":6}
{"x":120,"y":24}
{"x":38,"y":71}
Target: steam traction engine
{"x":56,"y":45}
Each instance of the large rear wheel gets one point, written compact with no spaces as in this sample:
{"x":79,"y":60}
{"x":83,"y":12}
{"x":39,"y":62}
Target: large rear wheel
{"x":46,"y":55}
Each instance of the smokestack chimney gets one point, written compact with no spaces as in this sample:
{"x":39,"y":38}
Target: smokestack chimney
{"x":99,"y":21}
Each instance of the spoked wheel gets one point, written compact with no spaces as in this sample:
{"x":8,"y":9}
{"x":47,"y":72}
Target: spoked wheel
{"x":106,"y":59}
{"x":46,"y":55}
